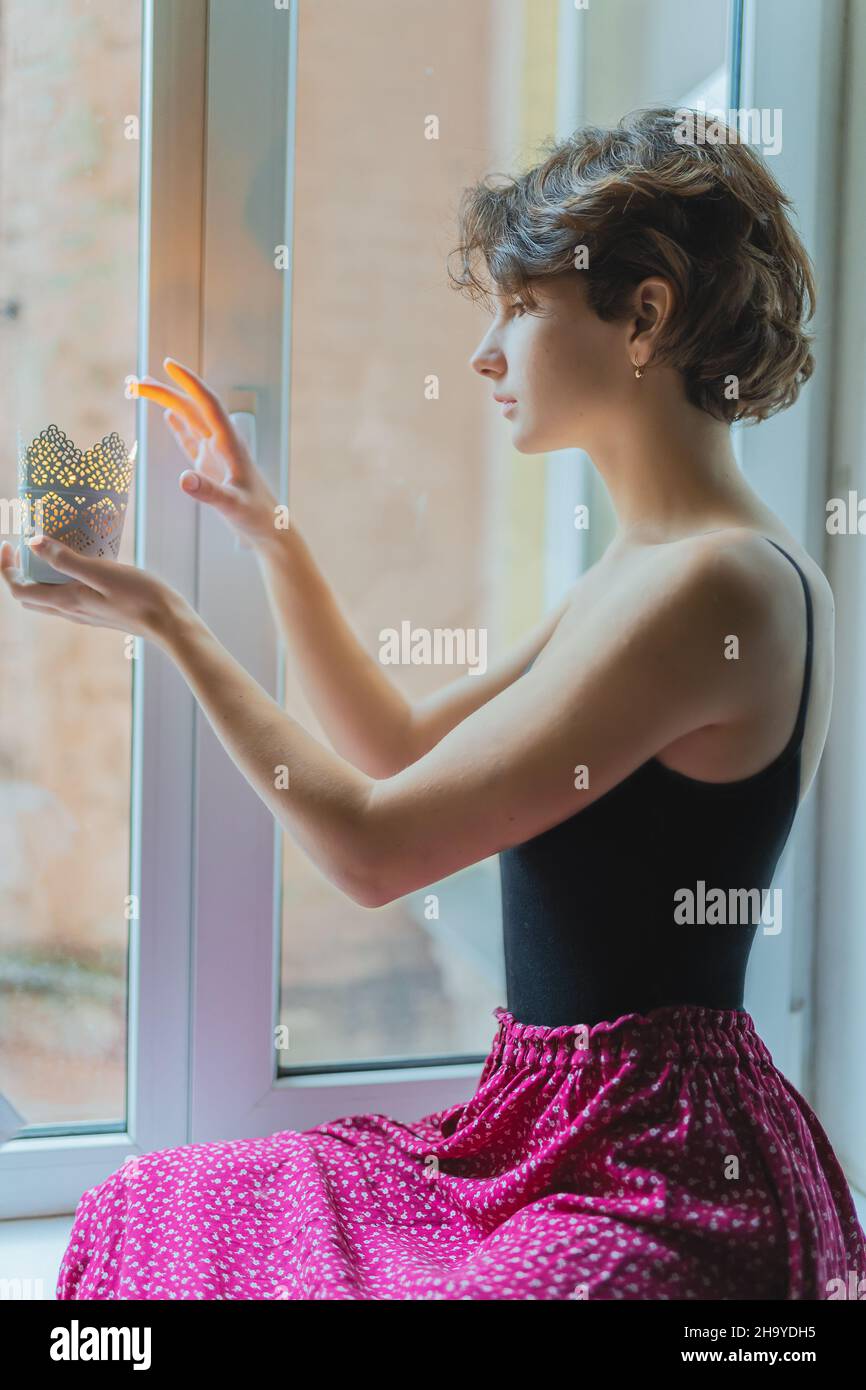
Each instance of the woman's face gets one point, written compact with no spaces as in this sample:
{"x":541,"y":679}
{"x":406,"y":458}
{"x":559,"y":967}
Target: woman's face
{"x":563,"y":366}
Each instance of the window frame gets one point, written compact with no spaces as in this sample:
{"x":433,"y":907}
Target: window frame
{"x":839,"y":1059}
{"x":794,"y":62}
{"x":236,"y":1090}
{"x":46,"y":1174}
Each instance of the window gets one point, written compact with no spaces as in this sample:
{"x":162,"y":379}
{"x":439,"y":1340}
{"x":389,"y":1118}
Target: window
{"x":100,"y":165}
{"x":417,"y":508}
{"x":69,"y":219}
{"x":283,"y":224}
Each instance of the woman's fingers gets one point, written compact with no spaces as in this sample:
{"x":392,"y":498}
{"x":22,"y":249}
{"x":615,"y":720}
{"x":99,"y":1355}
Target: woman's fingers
{"x":45,"y":598}
{"x":10,"y":565}
{"x":203,"y":413}
{"x":7,"y":564}
{"x":209,"y":403}
{"x":90,"y":572}
{"x":186,"y":438}
{"x":197,"y":448}
{"x":172,"y":399}
{"x":58,"y":613}
{"x":204,"y":490}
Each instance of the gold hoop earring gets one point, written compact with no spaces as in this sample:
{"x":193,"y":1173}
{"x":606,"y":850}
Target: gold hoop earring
{"x":638,"y":371}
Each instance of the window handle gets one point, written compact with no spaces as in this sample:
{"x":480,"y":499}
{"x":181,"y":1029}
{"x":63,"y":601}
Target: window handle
{"x":244,"y":422}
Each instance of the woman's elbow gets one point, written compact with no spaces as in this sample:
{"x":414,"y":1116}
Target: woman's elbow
{"x":364,"y":887}
{"x":365,"y":871}
{"x":385,"y":880}
{"x":371,"y":899}
{"x":375,"y":858}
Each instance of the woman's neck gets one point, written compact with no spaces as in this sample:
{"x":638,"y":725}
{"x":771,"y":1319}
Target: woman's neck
{"x":670,"y":471}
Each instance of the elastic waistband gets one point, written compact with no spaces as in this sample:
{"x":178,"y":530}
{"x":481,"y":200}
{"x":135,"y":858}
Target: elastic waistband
{"x":680,"y":1032}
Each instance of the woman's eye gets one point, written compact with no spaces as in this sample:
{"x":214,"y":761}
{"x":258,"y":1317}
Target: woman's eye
{"x":518,"y":307}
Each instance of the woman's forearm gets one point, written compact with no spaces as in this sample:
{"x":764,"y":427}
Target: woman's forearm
{"x":365,"y":716}
{"x":317,"y":796}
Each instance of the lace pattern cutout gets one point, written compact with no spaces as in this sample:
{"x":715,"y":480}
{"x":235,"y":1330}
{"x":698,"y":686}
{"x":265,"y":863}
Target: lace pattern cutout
{"x":82,"y":493}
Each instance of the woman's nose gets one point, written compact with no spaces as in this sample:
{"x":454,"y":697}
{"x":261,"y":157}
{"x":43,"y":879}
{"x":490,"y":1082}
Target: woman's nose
{"x":487,"y":360}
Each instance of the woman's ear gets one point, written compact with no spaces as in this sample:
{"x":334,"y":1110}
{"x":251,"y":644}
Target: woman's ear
{"x":653,"y":307}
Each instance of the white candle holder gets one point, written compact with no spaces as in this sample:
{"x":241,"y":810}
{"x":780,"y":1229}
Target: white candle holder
{"x":76,"y":497}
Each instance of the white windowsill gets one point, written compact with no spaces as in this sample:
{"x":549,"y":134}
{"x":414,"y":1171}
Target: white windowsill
{"x":30,"y":1252}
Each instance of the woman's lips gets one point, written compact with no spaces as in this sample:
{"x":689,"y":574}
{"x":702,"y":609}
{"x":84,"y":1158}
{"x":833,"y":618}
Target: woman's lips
{"x":506,"y":402}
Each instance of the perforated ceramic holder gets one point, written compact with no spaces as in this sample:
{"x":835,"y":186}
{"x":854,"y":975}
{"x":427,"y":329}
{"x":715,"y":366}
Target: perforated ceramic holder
{"x":78,"y":498}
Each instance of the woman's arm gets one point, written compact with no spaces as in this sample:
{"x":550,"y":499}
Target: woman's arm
{"x":366,"y":717}
{"x":645,"y":671}
{"x":363,"y":712}
{"x":647,"y":665}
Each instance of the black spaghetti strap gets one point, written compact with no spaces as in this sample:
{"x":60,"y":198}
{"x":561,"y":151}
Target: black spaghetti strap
{"x":800,"y":725}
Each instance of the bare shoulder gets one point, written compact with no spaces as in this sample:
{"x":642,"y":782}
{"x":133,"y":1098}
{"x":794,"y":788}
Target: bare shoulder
{"x":727,"y":583}
{"x":710,"y":627}
{"x":734,"y":572}
{"x":671,"y":608}
{"x":692,"y":593}
{"x":677,"y":593}
{"x":749,"y":565}
{"x":760,"y":584}
{"x":747,"y":571}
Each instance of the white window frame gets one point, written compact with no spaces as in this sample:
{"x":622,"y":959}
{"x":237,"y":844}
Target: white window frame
{"x":840,"y":954}
{"x":792,"y":59}
{"x":235,"y":1087}
{"x":46,"y":1174}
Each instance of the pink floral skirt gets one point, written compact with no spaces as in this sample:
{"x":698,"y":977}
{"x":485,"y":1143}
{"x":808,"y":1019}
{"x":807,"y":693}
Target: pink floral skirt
{"x":661,"y":1156}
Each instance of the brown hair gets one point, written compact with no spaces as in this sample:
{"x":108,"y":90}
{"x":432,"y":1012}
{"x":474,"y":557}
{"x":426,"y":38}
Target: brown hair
{"x":705,"y":213}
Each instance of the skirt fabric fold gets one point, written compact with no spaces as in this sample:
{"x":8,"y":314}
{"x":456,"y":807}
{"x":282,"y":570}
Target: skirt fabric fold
{"x":660,"y":1156}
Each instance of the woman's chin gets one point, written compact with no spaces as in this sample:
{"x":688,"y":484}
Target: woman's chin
{"x":526,"y":443}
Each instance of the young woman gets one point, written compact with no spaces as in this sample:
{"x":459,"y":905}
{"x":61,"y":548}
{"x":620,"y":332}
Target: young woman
{"x":630,"y":1136}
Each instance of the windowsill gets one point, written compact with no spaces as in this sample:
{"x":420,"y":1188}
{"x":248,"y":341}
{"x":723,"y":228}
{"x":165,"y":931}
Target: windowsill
{"x":30,"y":1252}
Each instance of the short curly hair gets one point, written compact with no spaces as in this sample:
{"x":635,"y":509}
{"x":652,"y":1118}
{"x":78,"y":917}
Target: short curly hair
{"x":704,"y":212}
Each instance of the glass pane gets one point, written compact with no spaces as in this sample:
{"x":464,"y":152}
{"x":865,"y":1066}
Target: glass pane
{"x":69,"y":171}
{"x":417,"y":509}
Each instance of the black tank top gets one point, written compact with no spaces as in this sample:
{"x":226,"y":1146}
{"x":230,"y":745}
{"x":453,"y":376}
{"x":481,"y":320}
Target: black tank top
{"x":588,"y":906}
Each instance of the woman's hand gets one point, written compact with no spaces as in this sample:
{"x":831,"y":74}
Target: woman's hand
{"x":223,"y":475}
{"x":103,"y":593}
